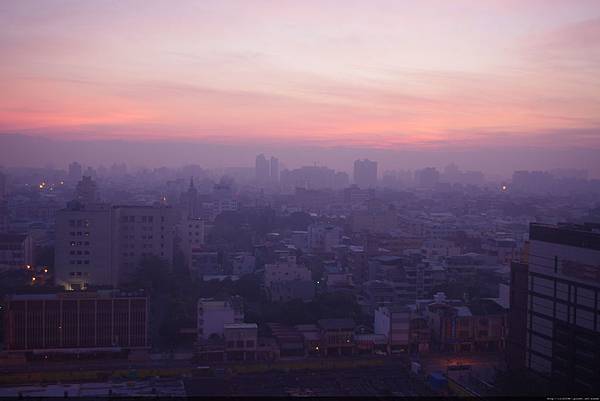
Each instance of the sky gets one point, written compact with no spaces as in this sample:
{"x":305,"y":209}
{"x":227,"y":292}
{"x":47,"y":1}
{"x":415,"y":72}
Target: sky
{"x":457,"y":75}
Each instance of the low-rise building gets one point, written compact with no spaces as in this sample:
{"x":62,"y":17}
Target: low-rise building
{"x":289,"y":339}
{"x":394,"y":323}
{"x":459,"y":326}
{"x":214,"y":314}
{"x":76,"y":322}
{"x":241,"y":341}
{"x":337,"y":336}
{"x":286,"y":280}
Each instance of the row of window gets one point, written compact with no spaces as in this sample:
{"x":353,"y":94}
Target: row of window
{"x":79,"y":223}
{"x":142,"y":228}
{"x":79,"y":262}
{"x":143,"y":219}
{"x":80,"y":243}
{"x":79,"y":233}
{"x":240,"y":344}
{"x":86,"y":252}
{"x":79,"y":274}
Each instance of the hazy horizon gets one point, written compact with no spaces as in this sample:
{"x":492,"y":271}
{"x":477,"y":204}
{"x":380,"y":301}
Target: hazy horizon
{"x":456,"y":81}
{"x":44,"y":151}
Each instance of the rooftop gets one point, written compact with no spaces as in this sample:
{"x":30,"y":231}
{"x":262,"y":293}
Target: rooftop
{"x":577,"y":235}
{"x":240,"y":326}
{"x":337,"y":324}
{"x":485,"y":307}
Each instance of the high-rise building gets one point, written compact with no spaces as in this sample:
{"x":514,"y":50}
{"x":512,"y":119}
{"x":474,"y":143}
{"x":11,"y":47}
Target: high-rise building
{"x":75,"y":172}
{"x":365,"y":173}
{"x":191,"y":232}
{"x":262,"y":169}
{"x":555,"y":307}
{"x":3,"y":203}
{"x":341,"y":180}
{"x":3,"y":185}
{"x":139,"y":232}
{"x":86,"y":190}
{"x":427,"y":177}
{"x":274,"y":169}
{"x":103,"y":245}
{"x":83,"y":247}
{"x":3,"y":216}
{"x":189,"y":201}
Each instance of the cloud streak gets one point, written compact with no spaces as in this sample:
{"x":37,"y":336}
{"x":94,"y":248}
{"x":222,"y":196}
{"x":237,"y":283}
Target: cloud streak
{"x":382,"y":75}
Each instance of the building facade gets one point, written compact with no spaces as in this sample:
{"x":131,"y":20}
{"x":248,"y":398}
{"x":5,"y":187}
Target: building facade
{"x":16,"y":251}
{"x":562,"y":338}
{"x":365,"y":173}
{"x":214,"y":314}
{"x":76,"y":322}
{"x":99,"y":244}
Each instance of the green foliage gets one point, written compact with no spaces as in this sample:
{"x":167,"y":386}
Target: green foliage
{"x":298,"y":312}
{"x":173,"y":300}
{"x":236,"y":229}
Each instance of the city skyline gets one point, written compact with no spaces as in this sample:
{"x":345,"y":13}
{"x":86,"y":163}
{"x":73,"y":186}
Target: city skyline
{"x":279,"y":198}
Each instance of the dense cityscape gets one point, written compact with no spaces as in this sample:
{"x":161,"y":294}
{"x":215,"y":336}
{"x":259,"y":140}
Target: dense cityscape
{"x":382,"y":199}
{"x":193,"y":281}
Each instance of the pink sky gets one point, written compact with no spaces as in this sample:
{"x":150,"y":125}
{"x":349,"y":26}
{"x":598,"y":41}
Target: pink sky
{"x":385,"y":74}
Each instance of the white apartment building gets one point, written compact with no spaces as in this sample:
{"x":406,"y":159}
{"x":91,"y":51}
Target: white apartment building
{"x":394,"y":323}
{"x":214,"y":314}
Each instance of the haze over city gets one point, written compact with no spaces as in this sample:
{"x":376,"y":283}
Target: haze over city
{"x":454,"y":81}
{"x":383,"y":199}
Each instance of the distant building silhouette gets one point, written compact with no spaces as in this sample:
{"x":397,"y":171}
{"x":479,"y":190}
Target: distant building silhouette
{"x":75,"y":172}
{"x":427,"y":177}
{"x":365,"y":173}
{"x":274,"y":169}
{"x":262,"y":169}
{"x":86,"y":190}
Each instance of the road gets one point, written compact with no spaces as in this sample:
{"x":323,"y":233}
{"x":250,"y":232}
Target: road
{"x":390,"y":380}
